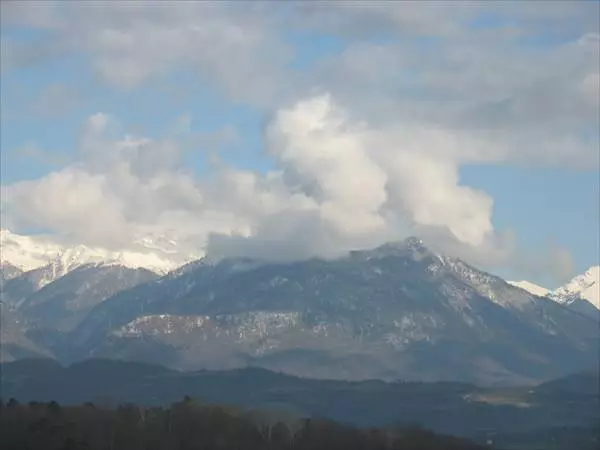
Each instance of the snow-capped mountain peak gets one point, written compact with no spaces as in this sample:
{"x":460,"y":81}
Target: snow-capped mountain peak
{"x":32,"y":252}
{"x":585,"y":286}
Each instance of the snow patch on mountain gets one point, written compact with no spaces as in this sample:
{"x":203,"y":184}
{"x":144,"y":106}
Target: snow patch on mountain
{"x":532,"y":288}
{"x":29,"y":252}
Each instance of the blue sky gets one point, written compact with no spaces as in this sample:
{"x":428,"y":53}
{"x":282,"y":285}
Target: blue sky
{"x":395,"y":70}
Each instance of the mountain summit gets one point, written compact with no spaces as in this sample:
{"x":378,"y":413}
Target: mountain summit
{"x":582,"y":287}
{"x":585,"y":286}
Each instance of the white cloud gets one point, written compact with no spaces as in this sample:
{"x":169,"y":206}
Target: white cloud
{"x":521,"y":105}
{"x":72,"y":201}
{"x":234,"y":48}
{"x":329,"y":157}
{"x":476,"y":78}
{"x":121,"y":188}
{"x":339,"y":185}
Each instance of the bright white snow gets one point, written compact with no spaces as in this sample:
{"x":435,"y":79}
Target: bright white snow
{"x":585,"y":286}
{"x":28,"y":253}
{"x":532,"y":288}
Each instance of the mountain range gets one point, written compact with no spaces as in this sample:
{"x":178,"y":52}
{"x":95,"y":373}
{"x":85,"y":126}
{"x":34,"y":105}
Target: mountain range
{"x":157,"y":254}
{"x":399,"y":311}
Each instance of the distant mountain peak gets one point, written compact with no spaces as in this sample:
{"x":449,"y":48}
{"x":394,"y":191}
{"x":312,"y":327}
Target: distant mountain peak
{"x":585,"y":287}
{"x":33,"y":252}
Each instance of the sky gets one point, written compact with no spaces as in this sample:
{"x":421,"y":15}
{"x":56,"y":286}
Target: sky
{"x":293,"y":130}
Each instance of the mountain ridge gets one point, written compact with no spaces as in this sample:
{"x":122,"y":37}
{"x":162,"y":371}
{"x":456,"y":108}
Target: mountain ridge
{"x":397,"y":310}
{"x":160,"y":255}
{"x":33,"y":252}
{"x":374,"y":313}
{"x":530,"y":287}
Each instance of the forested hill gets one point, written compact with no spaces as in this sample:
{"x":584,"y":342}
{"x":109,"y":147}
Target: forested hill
{"x":449,"y":408}
{"x":188,"y":425}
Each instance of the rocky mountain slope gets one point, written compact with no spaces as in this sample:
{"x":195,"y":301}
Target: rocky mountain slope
{"x":398,"y":311}
{"x":33,"y":316}
{"x":45,"y":287}
{"x":15,"y":344}
{"x":62,"y":304}
{"x":8,"y":272}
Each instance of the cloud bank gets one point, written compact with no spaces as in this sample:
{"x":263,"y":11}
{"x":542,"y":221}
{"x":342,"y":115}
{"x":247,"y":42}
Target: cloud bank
{"x":338,"y":185}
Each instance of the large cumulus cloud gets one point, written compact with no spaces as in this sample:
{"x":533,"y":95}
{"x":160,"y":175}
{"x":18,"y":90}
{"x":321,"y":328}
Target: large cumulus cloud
{"x":337,"y":184}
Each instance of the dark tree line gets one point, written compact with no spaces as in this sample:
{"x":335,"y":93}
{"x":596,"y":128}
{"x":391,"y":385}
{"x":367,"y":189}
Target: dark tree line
{"x":189,"y":425}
